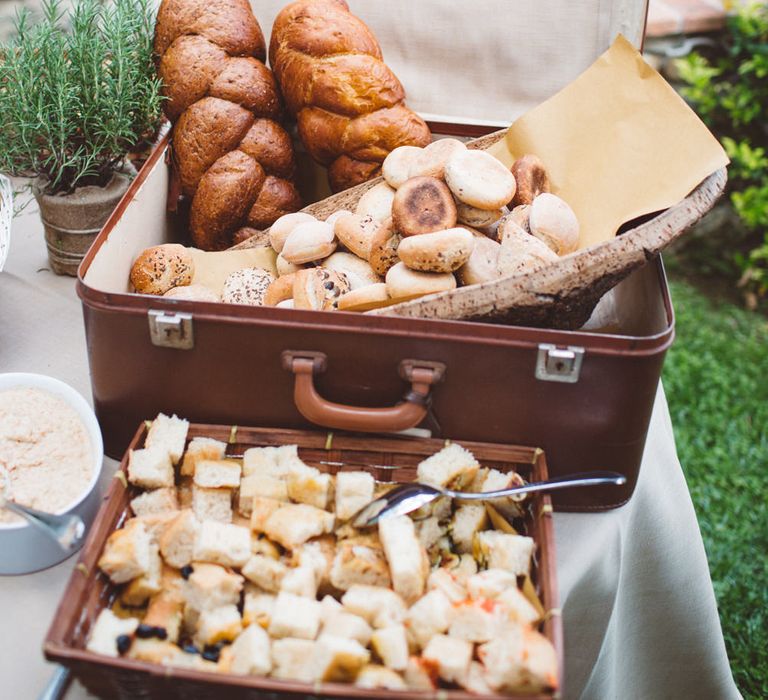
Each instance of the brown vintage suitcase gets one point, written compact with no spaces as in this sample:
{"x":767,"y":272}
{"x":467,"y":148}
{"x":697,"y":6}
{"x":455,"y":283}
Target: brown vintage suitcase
{"x":584,"y":397}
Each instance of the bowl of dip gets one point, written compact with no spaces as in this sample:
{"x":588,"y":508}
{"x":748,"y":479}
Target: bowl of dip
{"x":51,"y":455}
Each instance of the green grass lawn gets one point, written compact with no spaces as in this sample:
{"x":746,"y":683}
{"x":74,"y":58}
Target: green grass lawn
{"x":716,"y":380}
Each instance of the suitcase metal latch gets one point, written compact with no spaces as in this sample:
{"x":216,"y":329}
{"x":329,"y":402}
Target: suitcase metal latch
{"x":171,"y":330}
{"x":555,"y":364}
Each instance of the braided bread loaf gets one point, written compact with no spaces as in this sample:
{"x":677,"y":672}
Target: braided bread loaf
{"x":347,"y":102}
{"x":231,"y":155}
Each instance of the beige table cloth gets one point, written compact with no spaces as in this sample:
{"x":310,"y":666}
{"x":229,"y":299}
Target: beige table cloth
{"x":638,"y":607}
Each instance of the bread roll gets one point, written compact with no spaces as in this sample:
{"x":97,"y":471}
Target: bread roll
{"x":348,"y":104}
{"x":318,"y":289}
{"x":284,"y":267}
{"x":280,"y":230}
{"x":521,"y":215}
{"x":397,"y":166}
{"x":430,"y":162}
{"x":358,"y":272}
{"x":477,"y":218}
{"x":442,"y":251}
{"x":372,"y":296}
{"x":376,"y":202}
{"x":356,"y":233}
{"x":483,"y":264}
{"x":309,"y":241}
{"x":423,"y":205}
{"x":246,"y":286}
{"x":279,"y":290}
{"x":232,"y":157}
{"x":384,"y":245}
{"x":554,"y":222}
{"x":478,"y":179}
{"x":521,"y":252}
{"x":192,"y":292}
{"x":531,"y":178}
{"x":161,"y":268}
{"x":404,"y":284}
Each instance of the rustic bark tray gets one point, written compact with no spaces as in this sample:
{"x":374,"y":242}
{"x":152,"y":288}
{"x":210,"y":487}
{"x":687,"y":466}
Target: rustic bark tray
{"x":388,"y":459}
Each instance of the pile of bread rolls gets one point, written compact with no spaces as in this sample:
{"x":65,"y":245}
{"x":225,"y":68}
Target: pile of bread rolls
{"x":444,"y":216}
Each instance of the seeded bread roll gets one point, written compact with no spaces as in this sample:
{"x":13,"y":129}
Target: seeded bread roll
{"x":246,"y":286}
{"x":348,"y":104}
{"x":232,"y":156}
{"x":161,"y":268}
{"x":356,"y":233}
{"x":423,"y":205}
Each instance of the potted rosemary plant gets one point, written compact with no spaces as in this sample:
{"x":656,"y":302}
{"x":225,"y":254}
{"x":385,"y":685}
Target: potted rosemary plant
{"x":78,"y":91}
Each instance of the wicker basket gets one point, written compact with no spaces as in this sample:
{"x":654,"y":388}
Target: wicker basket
{"x":562,"y":295}
{"x":388,"y":459}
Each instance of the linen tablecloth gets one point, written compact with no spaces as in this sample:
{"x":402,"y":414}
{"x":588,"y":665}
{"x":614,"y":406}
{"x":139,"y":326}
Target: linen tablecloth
{"x":638,"y":608}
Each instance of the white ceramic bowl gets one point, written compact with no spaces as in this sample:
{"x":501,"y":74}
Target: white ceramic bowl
{"x":23,"y":547}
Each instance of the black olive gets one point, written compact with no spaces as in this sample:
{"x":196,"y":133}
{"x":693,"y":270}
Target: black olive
{"x":328,"y":285}
{"x":186,"y":571}
{"x":123,"y":643}
{"x":160,"y":632}
{"x":145,"y":631}
{"x":190,"y":649}
{"x":211,"y":653}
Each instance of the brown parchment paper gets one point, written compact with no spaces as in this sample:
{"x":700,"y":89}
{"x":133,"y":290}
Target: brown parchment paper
{"x":212,"y":268}
{"x":618,"y":143}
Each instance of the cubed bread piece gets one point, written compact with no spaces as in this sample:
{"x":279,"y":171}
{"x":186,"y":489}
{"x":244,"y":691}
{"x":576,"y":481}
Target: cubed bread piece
{"x":310,"y":486}
{"x":407,"y":558}
{"x":353,"y":491}
{"x":462,"y":568}
{"x":453,"y":467}
{"x":502,"y":551}
{"x":341,"y":623}
{"x":158,"y":501}
{"x":300,"y":581}
{"x":441,"y":580}
{"x":521,"y":661}
{"x":374,"y":676}
{"x":264,"y":546}
{"x":428,"y":616}
{"x":490,"y":583}
{"x":212,"y":504}
{"x":172,"y":581}
{"x":258,"y":608}
{"x":261,"y":510}
{"x":152,"y":650}
{"x":251,"y":652}
{"x":391,"y":644}
{"x":475,"y":681}
{"x":220,"y":624}
{"x":192,"y":660}
{"x":294,"y":524}
{"x":126,"y":553}
{"x":212,"y":586}
{"x":263,"y":486}
{"x":421,"y":674}
{"x":429,"y":531}
{"x":219,"y":543}
{"x":265,"y":572}
{"x":519,"y":608}
{"x":217,"y":474}
{"x":270,"y":461}
{"x":291,"y":659}
{"x":380,"y":607}
{"x":477,"y":620}
{"x":150,"y":468}
{"x":165,"y":611}
{"x":295,"y":616}
{"x":105,"y":631}
{"x":338,"y":659}
{"x":329,"y":606}
{"x":317,"y":554}
{"x":468,"y":519}
{"x":201,"y":448}
{"x":178,"y":540}
{"x":451,"y":655}
{"x":169,"y":435}
{"x":356,"y":563}
{"x":497,"y":480}
{"x":156,"y":525}
{"x":139,"y":590}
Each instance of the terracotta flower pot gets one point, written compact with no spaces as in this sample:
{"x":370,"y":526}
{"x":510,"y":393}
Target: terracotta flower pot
{"x":72,"y":221}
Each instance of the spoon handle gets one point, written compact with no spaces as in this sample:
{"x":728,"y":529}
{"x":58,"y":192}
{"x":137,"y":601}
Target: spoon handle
{"x":596,"y":478}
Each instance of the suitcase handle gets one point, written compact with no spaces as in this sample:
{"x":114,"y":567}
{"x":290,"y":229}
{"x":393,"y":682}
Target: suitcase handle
{"x":408,"y":413}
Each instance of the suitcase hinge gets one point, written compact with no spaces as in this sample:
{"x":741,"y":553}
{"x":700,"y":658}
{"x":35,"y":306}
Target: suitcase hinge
{"x":171,"y":330}
{"x":555,"y":364}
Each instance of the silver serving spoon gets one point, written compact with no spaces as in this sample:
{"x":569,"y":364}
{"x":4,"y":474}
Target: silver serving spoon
{"x":67,"y":529}
{"x":406,"y":498}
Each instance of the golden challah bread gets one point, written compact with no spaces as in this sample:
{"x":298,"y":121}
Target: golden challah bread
{"x":231,"y":156}
{"x":348,"y":104}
